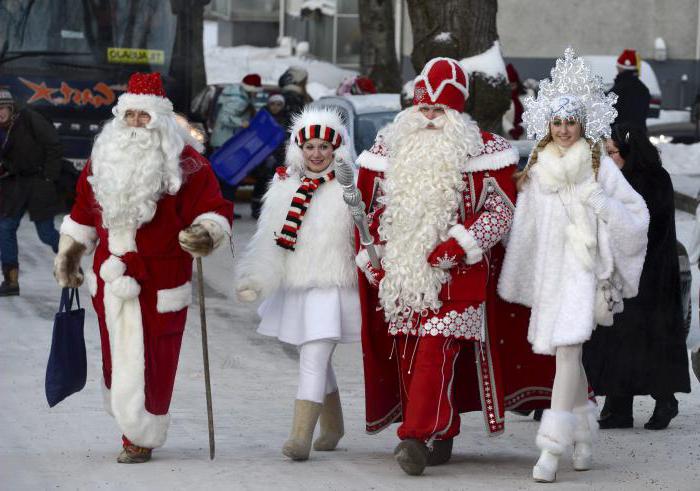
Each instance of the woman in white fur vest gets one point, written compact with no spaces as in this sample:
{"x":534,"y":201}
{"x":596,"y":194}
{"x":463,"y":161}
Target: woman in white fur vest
{"x":576,"y":248}
{"x":301,"y":261}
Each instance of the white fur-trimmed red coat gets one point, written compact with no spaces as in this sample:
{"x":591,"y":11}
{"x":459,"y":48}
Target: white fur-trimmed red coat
{"x":543,"y":271}
{"x":140,"y":284}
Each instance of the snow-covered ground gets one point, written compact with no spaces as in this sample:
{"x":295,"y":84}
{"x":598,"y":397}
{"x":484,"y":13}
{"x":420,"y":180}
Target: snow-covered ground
{"x":74,"y":445}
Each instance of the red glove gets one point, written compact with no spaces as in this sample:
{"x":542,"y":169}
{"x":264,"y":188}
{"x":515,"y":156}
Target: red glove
{"x":446,"y":255}
{"x":374,"y":275}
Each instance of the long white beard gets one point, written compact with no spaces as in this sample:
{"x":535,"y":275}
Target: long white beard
{"x":422,"y":187}
{"x":131,"y":169}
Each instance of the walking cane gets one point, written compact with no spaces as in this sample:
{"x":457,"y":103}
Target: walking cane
{"x":205,"y":355}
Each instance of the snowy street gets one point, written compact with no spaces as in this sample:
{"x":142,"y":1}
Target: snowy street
{"x":75,"y":444}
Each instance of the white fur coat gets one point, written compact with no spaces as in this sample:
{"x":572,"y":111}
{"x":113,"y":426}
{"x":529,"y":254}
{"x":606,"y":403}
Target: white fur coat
{"x":324,"y":253}
{"x":545,"y":265}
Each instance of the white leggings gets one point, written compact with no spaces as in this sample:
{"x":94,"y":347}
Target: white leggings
{"x":570,"y":387}
{"x":316,"y":377}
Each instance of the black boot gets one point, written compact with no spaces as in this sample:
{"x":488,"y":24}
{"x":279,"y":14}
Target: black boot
{"x":665,"y":410}
{"x":10,"y":286}
{"x":617,"y":412}
{"x":441,"y":452}
{"x":412,"y":456}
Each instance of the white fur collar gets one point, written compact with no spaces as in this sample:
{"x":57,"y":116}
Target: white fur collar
{"x":557,"y":171}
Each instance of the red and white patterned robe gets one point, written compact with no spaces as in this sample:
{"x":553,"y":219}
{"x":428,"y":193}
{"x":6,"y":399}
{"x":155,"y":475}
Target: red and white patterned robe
{"x":470,"y":308}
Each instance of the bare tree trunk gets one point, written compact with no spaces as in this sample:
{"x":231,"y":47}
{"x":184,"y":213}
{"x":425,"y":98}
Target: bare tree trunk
{"x":459,"y":29}
{"x":378,"y":57}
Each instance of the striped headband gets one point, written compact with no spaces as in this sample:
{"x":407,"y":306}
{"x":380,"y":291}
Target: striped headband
{"x":321,"y":131}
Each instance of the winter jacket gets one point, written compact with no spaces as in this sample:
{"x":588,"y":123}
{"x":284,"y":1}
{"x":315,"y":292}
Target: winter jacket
{"x":644,"y":352}
{"x":632,"y":100}
{"x":545,"y":264}
{"x":325,"y":251}
{"x":234,"y":110}
{"x":31,"y":153}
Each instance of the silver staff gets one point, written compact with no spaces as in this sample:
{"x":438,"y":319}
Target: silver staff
{"x":353,"y":198}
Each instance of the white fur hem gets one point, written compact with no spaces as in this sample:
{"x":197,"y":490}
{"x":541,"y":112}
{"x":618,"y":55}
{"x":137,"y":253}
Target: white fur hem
{"x":83,"y":234}
{"x":127,"y":397}
{"x":91,"y":282}
{"x":126,"y":288}
{"x":467,"y":242}
{"x":492,"y":161}
{"x":143,"y":102}
{"x":174,"y":299}
{"x":372,"y":161}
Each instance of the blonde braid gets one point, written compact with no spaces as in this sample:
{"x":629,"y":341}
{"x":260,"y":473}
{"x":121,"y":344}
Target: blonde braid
{"x":595,"y":157}
{"x":522,"y":176}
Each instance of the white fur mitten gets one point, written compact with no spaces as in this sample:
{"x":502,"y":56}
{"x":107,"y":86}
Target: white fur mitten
{"x":66,"y":264}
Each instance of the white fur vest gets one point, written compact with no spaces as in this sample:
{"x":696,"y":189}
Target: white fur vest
{"x":324,"y":252}
{"x":549,"y":246}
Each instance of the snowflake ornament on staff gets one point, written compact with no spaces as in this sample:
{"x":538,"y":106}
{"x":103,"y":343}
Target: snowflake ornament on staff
{"x":572,"y":92}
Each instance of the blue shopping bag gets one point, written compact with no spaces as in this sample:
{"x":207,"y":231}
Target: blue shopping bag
{"x":248,"y":148}
{"x":66,"y":371}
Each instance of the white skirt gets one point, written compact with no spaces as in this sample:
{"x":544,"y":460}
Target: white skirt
{"x":299,"y":316}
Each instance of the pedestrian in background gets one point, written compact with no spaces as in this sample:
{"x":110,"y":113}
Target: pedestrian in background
{"x":292,"y":83}
{"x":266,"y":170}
{"x":30,"y":165}
{"x":632,"y":95}
{"x":644,"y":352}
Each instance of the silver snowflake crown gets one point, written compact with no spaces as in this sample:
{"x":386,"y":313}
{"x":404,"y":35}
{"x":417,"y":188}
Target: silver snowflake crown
{"x":572,"y":92}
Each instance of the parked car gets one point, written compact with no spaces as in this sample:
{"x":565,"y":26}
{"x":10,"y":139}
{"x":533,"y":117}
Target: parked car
{"x":606,"y":67}
{"x":363,"y":115}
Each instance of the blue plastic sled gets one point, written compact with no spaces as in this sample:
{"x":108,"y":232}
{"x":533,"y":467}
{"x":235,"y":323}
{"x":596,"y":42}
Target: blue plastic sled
{"x":247,"y":149}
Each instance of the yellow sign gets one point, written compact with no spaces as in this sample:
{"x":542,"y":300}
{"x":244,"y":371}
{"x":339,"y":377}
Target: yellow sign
{"x":136,"y":56}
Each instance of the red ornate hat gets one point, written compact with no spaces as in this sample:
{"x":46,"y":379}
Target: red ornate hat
{"x":144,"y":92}
{"x":442,"y":82}
{"x":629,"y":60}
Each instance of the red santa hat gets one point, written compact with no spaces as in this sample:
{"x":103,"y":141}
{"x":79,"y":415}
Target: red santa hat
{"x":442,"y":82}
{"x":629,"y":60}
{"x":252,"y":82}
{"x":144,"y":92}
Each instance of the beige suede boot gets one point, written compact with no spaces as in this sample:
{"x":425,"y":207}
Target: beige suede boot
{"x":305,"y":417}
{"x":331,"y":423}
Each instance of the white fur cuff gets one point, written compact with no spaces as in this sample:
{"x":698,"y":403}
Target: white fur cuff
{"x":467,"y":242}
{"x":556,"y":431}
{"x":84,"y":234}
{"x":174,"y":299}
{"x":362,"y":259}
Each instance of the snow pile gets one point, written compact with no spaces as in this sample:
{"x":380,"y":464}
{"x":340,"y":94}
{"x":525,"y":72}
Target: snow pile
{"x":443,"y":37}
{"x":678,"y":158}
{"x":230,"y":65}
{"x":490,"y":63}
{"x":327,"y":7}
{"x":669,"y":116}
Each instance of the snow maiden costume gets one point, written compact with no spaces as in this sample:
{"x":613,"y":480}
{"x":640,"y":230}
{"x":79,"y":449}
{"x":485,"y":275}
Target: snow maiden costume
{"x":575,"y":251}
{"x":436,"y":340}
{"x":143,"y":197}
{"x":300,"y":260}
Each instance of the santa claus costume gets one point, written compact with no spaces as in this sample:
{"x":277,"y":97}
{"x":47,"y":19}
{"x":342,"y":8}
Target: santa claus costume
{"x":146,"y":202}
{"x":576,"y":248}
{"x":440,"y":197}
{"x":300,"y":261}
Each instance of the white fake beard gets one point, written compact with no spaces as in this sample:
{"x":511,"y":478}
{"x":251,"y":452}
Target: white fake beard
{"x":422,"y":186}
{"x":130,"y":172}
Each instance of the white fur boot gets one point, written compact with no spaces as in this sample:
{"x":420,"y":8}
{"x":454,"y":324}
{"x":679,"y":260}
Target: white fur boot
{"x":553,"y":437}
{"x":585,"y":432}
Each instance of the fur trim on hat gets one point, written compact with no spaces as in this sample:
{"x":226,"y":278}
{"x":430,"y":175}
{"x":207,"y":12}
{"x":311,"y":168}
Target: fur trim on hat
{"x":317,"y":116}
{"x":152,"y":104}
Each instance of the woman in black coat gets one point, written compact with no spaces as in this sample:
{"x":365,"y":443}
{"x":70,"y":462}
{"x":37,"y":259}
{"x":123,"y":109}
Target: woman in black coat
{"x":644,"y":352}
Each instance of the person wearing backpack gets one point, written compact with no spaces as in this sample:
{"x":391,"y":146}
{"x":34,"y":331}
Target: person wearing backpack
{"x":30,"y":166}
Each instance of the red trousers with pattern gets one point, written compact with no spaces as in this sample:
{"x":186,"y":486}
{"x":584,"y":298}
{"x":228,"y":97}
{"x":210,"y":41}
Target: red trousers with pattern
{"x":427,"y":366}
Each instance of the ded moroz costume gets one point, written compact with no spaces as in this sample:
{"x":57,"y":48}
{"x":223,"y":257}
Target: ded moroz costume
{"x":147,"y":202}
{"x":440,"y":199}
